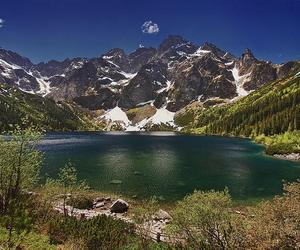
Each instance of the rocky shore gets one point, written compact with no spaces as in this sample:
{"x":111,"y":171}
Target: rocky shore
{"x":290,"y":157}
{"x":118,"y":209}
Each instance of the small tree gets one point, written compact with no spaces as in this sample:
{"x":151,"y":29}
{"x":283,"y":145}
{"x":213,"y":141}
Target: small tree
{"x":66,"y":185}
{"x":20,"y":163}
{"x":204,"y":220}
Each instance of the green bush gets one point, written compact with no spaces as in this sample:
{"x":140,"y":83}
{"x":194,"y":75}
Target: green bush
{"x":30,"y":241}
{"x":275,"y":224}
{"x":288,"y":142}
{"x":204,"y":220}
{"x":101,"y":232}
{"x":80,"y":202}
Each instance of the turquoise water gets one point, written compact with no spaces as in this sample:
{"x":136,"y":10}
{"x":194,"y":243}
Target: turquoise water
{"x":168,"y":165}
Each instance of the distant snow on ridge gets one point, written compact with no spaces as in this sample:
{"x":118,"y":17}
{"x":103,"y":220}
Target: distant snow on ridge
{"x":117,"y":115}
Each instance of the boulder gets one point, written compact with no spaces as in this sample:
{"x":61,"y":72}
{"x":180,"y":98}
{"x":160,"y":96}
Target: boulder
{"x":162,"y":215}
{"x":119,"y":206}
{"x":99,"y":204}
{"x":107,"y":198}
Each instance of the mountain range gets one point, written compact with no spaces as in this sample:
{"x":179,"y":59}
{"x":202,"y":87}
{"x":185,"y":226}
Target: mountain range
{"x":145,"y":89}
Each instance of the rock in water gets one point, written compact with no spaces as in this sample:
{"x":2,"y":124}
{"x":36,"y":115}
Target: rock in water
{"x":116,"y":182}
{"x":119,"y":206}
{"x":137,"y":173}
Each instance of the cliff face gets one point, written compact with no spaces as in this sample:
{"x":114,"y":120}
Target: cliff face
{"x":170,"y":77}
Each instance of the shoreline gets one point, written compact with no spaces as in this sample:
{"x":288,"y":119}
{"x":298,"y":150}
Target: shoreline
{"x":289,"y":156}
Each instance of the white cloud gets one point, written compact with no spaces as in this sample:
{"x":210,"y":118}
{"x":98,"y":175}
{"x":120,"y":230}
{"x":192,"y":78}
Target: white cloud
{"x":150,"y":28}
{"x":1,"y":22}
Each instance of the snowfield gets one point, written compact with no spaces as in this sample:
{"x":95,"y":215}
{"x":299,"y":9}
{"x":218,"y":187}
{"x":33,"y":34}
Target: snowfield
{"x":239,"y":81}
{"x":117,"y":115}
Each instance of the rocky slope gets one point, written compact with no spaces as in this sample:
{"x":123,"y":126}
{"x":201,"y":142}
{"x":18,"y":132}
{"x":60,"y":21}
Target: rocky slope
{"x":167,"y":78}
{"x":24,"y":109}
{"x":270,"y":110}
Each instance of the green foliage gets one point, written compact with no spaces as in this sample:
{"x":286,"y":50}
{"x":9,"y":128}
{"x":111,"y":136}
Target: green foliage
{"x":26,"y":241}
{"x":289,"y":142}
{"x":273,"y":109}
{"x":142,"y":215}
{"x":136,"y":244}
{"x":101,"y":232}
{"x":81,"y":202}
{"x":204,"y":220}
{"x":40,"y":111}
{"x":19,"y":172}
{"x":187,"y":116}
{"x":138,"y":114}
{"x":67,"y":184}
{"x":275,"y":224}
{"x":19,"y":164}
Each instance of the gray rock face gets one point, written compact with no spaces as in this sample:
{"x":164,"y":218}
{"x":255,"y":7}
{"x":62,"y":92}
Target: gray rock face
{"x":119,"y":206}
{"x":285,"y":68}
{"x":247,"y":60}
{"x":175,"y":74}
{"x":104,"y":99}
{"x":145,"y":85}
{"x":175,"y":48}
{"x":201,"y":78}
{"x":140,"y":57}
{"x":56,"y":68}
{"x":14,"y":58}
{"x":260,"y":72}
{"x":118,"y":57}
{"x":218,"y":52}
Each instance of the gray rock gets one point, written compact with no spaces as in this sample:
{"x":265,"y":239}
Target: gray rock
{"x":99,"y":204}
{"x":119,"y":206}
{"x":162,"y":215}
{"x":117,"y":182}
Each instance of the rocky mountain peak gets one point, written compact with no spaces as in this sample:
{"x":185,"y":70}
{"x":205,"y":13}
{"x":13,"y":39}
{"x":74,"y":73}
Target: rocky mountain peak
{"x":14,"y":58}
{"x":172,"y":76}
{"x":248,"y":56}
{"x":209,"y":46}
{"x":140,"y":57}
{"x":175,"y":48}
{"x":170,"y":42}
{"x":215,"y":50}
{"x":115,"y":52}
{"x":118,"y":57}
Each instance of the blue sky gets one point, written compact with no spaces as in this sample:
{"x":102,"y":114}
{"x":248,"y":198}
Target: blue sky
{"x":57,"y":29}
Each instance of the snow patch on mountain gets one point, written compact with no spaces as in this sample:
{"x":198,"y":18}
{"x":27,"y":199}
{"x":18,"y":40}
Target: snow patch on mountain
{"x":239,"y":81}
{"x":201,"y":52}
{"x":116,"y":115}
{"x":145,"y":103}
{"x":161,"y":116}
{"x":167,"y":88}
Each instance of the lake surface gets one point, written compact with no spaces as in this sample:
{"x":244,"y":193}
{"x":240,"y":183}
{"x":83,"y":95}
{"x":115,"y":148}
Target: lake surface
{"x":168,"y":165}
